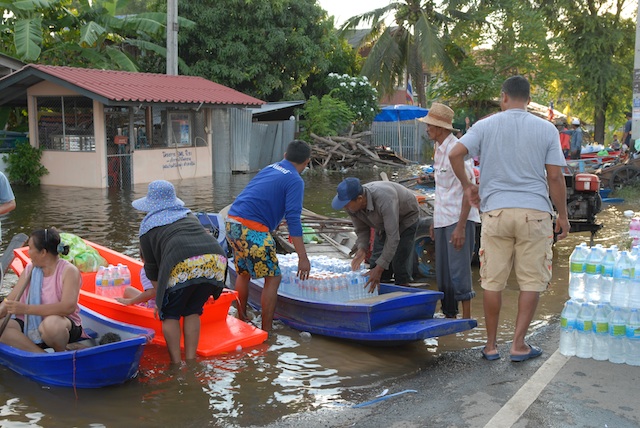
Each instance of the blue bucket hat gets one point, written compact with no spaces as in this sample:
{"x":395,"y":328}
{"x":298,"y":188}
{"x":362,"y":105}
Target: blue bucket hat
{"x":161,"y":195}
{"x":348,"y":190}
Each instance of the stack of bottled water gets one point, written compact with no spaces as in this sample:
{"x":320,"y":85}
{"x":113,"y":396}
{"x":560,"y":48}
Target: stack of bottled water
{"x":112,"y":280}
{"x":601,"y":320}
{"x":330,"y":279}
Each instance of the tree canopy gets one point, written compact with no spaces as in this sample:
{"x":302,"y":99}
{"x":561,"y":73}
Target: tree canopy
{"x":267,"y":49}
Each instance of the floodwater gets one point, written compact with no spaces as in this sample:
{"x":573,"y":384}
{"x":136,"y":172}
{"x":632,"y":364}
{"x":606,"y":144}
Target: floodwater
{"x":290,"y":373}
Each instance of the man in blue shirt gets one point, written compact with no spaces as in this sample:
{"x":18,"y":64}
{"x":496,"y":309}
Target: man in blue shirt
{"x":276,"y":192}
{"x":576,"y":139}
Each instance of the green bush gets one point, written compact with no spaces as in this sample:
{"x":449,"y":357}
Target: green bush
{"x":23,"y":165}
{"x":325,"y":117}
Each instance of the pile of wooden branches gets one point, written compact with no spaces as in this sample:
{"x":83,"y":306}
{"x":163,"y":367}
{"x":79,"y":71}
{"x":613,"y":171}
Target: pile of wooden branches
{"x":338,"y":153}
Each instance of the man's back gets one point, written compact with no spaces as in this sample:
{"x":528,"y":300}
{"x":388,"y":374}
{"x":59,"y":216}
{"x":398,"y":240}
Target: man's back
{"x":514,"y":146}
{"x":277,"y":190}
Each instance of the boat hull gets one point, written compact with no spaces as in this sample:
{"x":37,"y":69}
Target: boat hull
{"x":398,"y":315}
{"x":219,"y":332}
{"x":91,"y":367}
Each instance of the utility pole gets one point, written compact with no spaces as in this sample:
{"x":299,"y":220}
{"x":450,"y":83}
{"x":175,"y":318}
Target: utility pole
{"x":172,"y":37}
{"x":635,"y":112}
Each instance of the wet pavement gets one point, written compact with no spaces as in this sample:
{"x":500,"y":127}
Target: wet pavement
{"x":464,"y":390}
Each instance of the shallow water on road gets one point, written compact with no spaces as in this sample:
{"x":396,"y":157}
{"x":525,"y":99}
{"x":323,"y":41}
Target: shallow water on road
{"x":290,"y":373}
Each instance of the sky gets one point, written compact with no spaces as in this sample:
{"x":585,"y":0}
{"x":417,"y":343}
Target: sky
{"x":345,"y":9}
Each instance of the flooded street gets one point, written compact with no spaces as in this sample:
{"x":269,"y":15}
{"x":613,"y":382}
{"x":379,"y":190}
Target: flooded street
{"x":290,"y":373}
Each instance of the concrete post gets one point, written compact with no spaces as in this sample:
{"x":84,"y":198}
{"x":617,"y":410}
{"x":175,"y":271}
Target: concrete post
{"x":172,"y":37}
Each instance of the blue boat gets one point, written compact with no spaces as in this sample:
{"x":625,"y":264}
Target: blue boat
{"x":397,"y":315}
{"x":91,"y":365}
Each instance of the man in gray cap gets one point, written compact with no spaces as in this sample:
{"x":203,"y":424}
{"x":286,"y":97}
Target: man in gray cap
{"x":392,"y":211}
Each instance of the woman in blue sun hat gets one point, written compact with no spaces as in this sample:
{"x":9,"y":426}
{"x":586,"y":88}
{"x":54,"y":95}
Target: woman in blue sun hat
{"x":184,"y":263}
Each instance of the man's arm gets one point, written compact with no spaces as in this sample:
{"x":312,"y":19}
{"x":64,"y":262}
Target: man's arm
{"x":456,"y":158}
{"x":8,"y":206}
{"x":558,"y":193}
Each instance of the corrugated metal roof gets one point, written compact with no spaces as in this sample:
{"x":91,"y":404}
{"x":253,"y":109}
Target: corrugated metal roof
{"x":126,"y":87}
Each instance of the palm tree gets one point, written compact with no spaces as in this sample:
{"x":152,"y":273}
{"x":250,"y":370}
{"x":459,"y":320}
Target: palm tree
{"x":419,"y":41}
{"x":83,"y":33}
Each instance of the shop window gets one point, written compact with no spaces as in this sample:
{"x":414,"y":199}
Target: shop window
{"x":66,"y":123}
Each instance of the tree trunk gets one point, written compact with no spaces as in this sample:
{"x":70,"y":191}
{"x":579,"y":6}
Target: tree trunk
{"x":599,"y":121}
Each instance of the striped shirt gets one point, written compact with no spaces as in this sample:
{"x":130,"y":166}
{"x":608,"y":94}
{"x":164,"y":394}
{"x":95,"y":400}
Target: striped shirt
{"x":448,"y":188}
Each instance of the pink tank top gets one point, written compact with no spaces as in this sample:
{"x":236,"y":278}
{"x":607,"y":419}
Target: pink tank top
{"x":52,"y":290}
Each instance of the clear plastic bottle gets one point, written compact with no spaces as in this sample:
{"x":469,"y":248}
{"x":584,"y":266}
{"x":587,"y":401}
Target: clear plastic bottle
{"x":578,"y":264}
{"x":633,"y":292}
{"x":606,"y":275}
{"x":568,"y":328}
{"x":126,"y":274}
{"x":601,"y":333}
{"x":617,"y":335}
{"x":584,"y":330}
{"x":99,"y":279}
{"x":632,"y":343}
{"x":593,"y":278}
{"x":118,"y":278}
{"x":622,"y":274}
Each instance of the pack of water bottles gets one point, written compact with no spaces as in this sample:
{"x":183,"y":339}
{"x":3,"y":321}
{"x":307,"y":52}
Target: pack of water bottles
{"x":601,"y":320}
{"x":112,"y":280}
{"x":330,"y":279}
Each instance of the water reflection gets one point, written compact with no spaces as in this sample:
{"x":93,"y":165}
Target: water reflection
{"x":290,"y":373}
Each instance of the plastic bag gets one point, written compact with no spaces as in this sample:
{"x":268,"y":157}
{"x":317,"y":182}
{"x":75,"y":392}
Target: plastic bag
{"x":84,"y":257}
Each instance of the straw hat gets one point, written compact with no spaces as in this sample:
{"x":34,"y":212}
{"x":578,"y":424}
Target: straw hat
{"x":439,"y":115}
{"x":161,"y":195}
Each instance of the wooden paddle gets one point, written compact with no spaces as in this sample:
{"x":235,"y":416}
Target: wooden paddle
{"x":16,"y":242}
{"x":7,"y":317}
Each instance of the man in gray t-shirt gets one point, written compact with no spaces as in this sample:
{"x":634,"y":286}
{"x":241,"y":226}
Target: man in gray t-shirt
{"x":521,"y":164}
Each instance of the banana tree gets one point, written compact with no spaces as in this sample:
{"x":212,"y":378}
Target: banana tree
{"x":84,"y":33}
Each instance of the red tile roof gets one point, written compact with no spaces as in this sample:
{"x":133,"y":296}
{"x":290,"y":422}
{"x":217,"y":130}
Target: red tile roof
{"x":126,"y":86}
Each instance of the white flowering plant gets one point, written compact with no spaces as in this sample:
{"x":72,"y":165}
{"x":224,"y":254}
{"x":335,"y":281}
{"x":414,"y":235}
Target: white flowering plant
{"x":357,"y":93}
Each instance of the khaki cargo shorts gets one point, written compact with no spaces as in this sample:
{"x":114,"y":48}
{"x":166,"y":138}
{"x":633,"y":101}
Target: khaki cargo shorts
{"x":516,"y":238}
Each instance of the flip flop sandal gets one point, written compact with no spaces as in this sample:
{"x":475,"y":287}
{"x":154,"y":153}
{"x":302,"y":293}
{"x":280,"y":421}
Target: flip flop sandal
{"x":533,"y":353}
{"x":490,"y":357}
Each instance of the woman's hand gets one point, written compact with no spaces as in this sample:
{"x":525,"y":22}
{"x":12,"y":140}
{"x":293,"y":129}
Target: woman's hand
{"x":15,"y":307}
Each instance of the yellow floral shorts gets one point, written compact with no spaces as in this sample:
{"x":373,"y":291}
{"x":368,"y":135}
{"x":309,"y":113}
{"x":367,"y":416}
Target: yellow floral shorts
{"x":206,"y":266}
{"x":254,"y":252}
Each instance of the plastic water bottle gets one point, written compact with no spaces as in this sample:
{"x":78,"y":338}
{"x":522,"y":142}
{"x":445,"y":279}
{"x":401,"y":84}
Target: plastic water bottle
{"x":617,"y":335}
{"x":568,"y":328}
{"x":622,"y":274}
{"x":578,"y":264}
{"x":601,"y":333}
{"x":632,"y":344}
{"x":584,"y":330}
{"x":633,"y":293}
{"x":593,"y":278}
{"x":99,"y":279}
{"x":606,"y":276}
{"x":118,"y":277}
{"x":126,"y":275}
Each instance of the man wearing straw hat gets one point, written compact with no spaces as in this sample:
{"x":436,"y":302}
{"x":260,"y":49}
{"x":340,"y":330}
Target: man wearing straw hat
{"x":454,"y":220}
{"x":521,"y":164}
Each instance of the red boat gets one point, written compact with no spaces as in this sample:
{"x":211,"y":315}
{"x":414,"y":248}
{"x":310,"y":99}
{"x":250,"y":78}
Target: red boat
{"x":219,"y":331}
